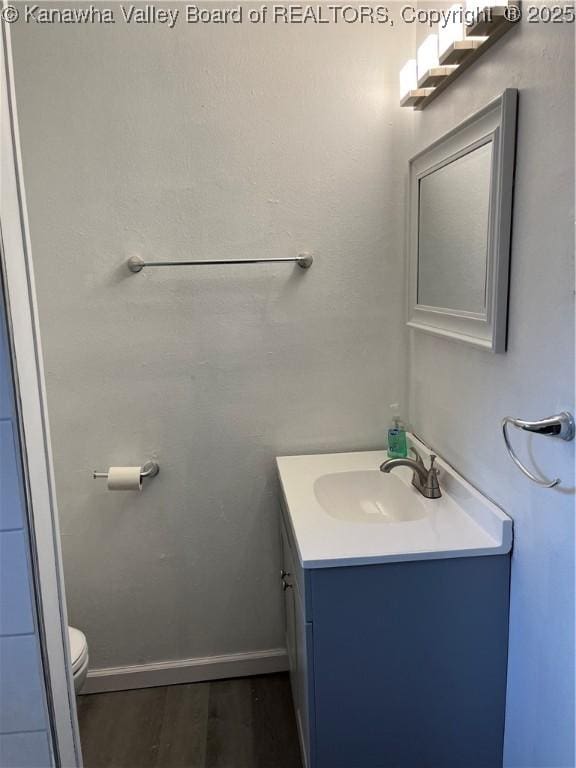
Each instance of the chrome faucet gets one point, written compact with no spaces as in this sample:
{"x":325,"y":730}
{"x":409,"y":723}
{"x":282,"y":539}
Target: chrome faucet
{"x":424,"y":480}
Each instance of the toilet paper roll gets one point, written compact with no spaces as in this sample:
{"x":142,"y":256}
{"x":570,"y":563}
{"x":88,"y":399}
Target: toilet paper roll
{"x":124,"y":479}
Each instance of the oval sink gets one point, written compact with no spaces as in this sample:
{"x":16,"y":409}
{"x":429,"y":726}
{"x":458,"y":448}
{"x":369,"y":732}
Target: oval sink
{"x":368,"y":497}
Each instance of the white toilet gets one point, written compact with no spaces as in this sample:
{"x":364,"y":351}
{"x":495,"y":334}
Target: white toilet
{"x":78,"y":656}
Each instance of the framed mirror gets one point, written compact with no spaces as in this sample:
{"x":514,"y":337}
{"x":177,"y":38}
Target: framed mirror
{"x":460,"y":199}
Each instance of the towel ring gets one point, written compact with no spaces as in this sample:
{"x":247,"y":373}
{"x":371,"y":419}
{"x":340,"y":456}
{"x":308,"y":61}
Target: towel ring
{"x":561,"y":425}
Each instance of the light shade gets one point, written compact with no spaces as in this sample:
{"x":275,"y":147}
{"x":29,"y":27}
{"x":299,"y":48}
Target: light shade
{"x":408,"y":78}
{"x":482,"y":24}
{"x":427,"y":55}
{"x":454,"y":41}
{"x":479,"y":5}
{"x":453,"y":31}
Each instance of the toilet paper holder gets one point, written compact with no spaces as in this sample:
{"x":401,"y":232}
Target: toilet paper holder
{"x":150,"y":469}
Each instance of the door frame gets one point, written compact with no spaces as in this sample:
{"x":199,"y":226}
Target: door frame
{"x":27,"y":362}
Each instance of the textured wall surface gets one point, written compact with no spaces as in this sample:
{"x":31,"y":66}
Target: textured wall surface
{"x":231,"y":141}
{"x":459,"y":394}
{"x":24,"y":740}
{"x":206,"y":142}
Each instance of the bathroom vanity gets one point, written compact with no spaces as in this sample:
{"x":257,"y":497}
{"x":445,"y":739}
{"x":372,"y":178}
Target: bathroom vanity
{"x":396,"y":615}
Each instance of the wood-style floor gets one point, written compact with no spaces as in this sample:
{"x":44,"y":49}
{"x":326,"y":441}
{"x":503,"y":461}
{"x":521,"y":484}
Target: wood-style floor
{"x":243,"y":723}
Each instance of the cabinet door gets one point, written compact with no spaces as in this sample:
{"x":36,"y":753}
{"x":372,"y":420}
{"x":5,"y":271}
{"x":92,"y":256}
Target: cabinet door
{"x":298,"y":645}
{"x":290,"y":617}
{"x":303,"y":636}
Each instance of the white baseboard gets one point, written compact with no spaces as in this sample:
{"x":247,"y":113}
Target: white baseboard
{"x":186,"y":671}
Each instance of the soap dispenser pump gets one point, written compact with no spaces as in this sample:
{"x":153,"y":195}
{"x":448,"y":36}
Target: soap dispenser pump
{"x":397,"y":444}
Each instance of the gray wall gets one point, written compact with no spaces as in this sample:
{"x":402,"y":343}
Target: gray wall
{"x":206,"y":142}
{"x":24,"y":741}
{"x":265,"y":141}
{"x":459,"y":394}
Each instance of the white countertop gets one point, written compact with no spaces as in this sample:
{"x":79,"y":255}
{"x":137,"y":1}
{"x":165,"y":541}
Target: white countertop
{"x":462,"y":523}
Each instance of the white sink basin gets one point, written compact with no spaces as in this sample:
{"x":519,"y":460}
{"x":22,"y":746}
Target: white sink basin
{"x":369,"y":497}
{"x":343,"y":511}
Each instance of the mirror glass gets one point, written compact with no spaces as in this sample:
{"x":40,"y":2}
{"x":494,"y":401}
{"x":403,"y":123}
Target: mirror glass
{"x":454,"y":204}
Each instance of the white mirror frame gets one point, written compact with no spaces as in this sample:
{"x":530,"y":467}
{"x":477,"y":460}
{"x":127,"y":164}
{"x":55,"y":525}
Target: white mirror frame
{"x":496,"y":123}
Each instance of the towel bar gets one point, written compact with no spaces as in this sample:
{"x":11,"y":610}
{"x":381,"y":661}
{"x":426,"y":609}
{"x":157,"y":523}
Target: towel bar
{"x":136,"y":264}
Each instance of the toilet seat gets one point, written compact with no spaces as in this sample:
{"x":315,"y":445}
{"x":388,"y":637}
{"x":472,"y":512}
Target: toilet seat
{"x":78,"y":649}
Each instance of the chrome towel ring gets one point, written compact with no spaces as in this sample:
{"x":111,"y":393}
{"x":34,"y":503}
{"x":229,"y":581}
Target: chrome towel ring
{"x":561,"y":425}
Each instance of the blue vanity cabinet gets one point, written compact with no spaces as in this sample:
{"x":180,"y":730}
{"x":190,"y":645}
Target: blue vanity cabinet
{"x":398,"y":665}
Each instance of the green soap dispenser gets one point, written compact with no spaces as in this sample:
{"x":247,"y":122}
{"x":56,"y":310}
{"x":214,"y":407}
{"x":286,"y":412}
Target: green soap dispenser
{"x":397,"y":444}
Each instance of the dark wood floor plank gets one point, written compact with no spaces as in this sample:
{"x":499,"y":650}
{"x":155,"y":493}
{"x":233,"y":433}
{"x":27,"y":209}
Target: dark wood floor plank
{"x":229,"y":741}
{"x":274,"y":723}
{"x":98,"y":729}
{"x":184,"y":727}
{"x":241,"y":723}
{"x":121,"y":730}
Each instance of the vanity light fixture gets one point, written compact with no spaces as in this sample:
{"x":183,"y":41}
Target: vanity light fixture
{"x":454,"y":44}
{"x":410,"y":94}
{"x":430,"y":72}
{"x":467,"y":31}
